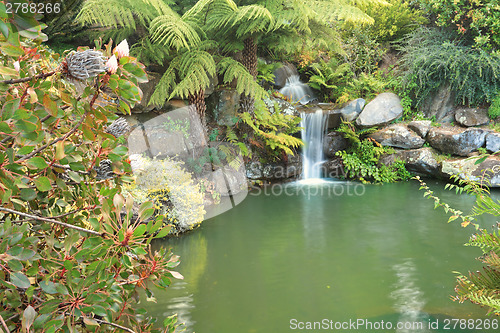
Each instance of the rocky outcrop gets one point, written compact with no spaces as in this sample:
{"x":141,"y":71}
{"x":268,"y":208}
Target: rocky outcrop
{"x":487,"y":172}
{"x":420,"y":161}
{"x":283,"y":73}
{"x":440,"y":104}
{"x":398,"y":136}
{"x":225,"y":104}
{"x":228,"y":181}
{"x":275,"y":171}
{"x":456,"y":141}
{"x":334,"y":142}
{"x":421,"y":127}
{"x":352,"y":109}
{"x":493,"y":142}
{"x":385,"y":108}
{"x":471,"y":117}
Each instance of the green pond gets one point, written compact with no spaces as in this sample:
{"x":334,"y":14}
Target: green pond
{"x":332,"y":257}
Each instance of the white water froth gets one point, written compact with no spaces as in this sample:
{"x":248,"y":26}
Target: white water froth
{"x":297,"y":91}
{"x":313,"y":132}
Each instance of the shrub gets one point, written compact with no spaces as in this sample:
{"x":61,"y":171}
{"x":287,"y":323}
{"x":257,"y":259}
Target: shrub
{"x":72,"y":254}
{"x":494,"y":109}
{"x":477,"y":21}
{"x":176,"y":194}
{"x":361,"y":159}
{"x":433,"y":58}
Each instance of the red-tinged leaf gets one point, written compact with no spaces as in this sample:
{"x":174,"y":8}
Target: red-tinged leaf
{"x":25,"y":126}
{"x":8,"y":71}
{"x":37,"y":162}
{"x":11,"y":50}
{"x":33,"y":96}
{"x":29,"y":316}
{"x":87,"y":133}
{"x":50,"y":105}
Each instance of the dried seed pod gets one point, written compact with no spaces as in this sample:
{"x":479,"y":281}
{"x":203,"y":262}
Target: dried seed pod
{"x":118,"y":127}
{"x":84,"y":64}
{"x":104,"y":170}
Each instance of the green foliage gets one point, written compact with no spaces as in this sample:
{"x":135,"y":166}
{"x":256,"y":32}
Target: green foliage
{"x":265,"y":71}
{"x":361,"y":159}
{"x":364,"y":86}
{"x":494,"y":109}
{"x":477,"y":21}
{"x":329,"y":78}
{"x":73,"y":253}
{"x":272,"y":131}
{"x":479,"y":287}
{"x":433,"y":58}
{"x":179,"y":125}
{"x":392,"y":21}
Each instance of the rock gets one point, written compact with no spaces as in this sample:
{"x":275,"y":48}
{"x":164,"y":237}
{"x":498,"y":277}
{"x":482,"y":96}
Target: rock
{"x":283,"y":73}
{"x":493,"y":142}
{"x":440,"y":103}
{"x":275,"y":171}
{"x":398,"y":136}
{"x":385,"y":108}
{"x":334,"y":168}
{"x":488,"y":170}
{"x":284,"y":106}
{"x":334,"y":142}
{"x":420,"y":161}
{"x":351,"y":111}
{"x":229,"y":181}
{"x":148,"y":89}
{"x":456,"y":141}
{"x":471,"y":117}
{"x":421,"y":127}
{"x":334,"y":119}
{"x":224,"y":105}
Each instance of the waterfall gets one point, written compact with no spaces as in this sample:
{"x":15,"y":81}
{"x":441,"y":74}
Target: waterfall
{"x":297,"y":91}
{"x":313,"y":130}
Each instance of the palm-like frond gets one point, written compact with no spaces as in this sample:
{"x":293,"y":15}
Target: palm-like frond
{"x":172,"y":31}
{"x":246,"y":83}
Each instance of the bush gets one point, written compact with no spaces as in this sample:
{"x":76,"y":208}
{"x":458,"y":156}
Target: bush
{"x":477,"y":21}
{"x":433,"y":58}
{"x":72,"y":253}
{"x":494,"y":109}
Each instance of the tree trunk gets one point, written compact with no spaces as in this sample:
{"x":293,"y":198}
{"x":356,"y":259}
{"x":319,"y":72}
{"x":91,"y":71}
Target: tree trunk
{"x":197,"y":100}
{"x":250,"y":62}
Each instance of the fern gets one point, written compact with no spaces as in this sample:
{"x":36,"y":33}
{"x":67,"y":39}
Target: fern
{"x":232,"y":69}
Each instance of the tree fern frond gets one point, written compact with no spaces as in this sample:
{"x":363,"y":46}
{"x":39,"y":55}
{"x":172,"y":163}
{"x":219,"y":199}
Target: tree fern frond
{"x":246,"y":84}
{"x":171,"y":31}
{"x":164,"y":87}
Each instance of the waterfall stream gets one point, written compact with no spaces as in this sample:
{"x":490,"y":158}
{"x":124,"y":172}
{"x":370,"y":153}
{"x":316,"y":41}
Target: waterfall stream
{"x":313,"y":131}
{"x":297,"y":90}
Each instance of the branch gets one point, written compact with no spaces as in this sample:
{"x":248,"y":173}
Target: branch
{"x":100,"y":321}
{"x":26,"y":79}
{"x":4,"y":324}
{"x":34,"y":217}
{"x":73,"y":130}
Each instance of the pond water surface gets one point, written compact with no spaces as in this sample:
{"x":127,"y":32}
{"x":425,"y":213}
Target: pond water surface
{"x":344,"y":257}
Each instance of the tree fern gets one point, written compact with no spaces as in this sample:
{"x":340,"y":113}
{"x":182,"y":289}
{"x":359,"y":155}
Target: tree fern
{"x":245,"y":84}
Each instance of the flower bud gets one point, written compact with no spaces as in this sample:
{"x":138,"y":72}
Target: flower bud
{"x":112,"y":65}
{"x":122,"y":49}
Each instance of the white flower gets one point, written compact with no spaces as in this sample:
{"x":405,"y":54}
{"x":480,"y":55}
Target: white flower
{"x":112,"y":65}
{"x":17,"y":66}
{"x":122,"y":49}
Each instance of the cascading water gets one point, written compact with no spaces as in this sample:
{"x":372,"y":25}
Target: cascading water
{"x":296,"y":90}
{"x":313,"y":130}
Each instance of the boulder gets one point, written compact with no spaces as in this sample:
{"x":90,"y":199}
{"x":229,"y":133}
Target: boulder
{"x":228,"y":181}
{"x":421,"y":127}
{"x":284,"y":106}
{"x":225,"y":104}
{"x":420,"y":161}
{"x":385,"y":108}
{"x":456,"y":141}
{"x":471,"y":117}
{"x":334,"y":168}
{"x":440,"y":103}
{"x":275,"y":171}
{"x":351,"y":111}
{"x":493,"y":142}
{"x":398,"y":136}
{"x":283,"y":73}
{"x":334,"y":142}
{"x":488,"y":170}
